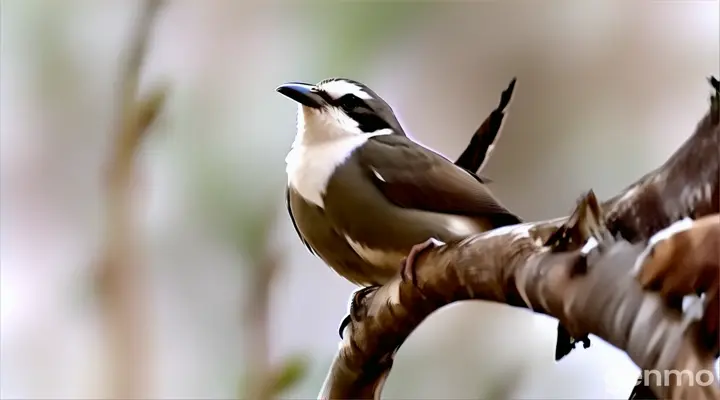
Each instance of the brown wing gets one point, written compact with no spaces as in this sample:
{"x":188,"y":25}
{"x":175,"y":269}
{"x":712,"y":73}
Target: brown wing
{"x":412,"y":176}
{"x":288,"y":204}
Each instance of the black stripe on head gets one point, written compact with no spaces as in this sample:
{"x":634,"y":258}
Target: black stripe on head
{"x":371,"y":113}
{"x":359,"y":110}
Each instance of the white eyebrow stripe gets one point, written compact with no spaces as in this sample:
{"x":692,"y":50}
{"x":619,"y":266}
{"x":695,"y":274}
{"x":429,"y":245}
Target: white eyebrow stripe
{"x":339,"y":88}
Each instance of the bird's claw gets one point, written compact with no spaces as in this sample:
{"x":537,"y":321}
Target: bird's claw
{"x":408,"y":264}
{"x":356,"y":306}
{"x":343,"y":324}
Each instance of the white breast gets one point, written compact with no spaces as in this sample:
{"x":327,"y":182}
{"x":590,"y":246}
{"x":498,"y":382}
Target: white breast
{"x":309,"y":167}
{"x":323,"y":142}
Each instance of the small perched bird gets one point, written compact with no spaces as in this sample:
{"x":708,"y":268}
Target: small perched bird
{"x":361,"y":194}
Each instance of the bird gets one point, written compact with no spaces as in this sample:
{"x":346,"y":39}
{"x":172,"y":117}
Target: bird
{"x":362,"y":195}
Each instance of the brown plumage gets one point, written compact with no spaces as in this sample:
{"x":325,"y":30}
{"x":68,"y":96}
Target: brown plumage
{"x":389,"y":195}
{"x":361,"y":194}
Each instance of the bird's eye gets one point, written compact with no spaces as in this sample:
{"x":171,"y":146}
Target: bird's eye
{"x":350,"y":102}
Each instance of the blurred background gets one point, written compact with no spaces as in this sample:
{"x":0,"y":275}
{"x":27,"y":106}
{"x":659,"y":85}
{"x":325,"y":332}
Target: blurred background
{"x":606,"y":91}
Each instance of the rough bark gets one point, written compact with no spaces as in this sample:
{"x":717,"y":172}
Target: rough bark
{"x":512,"y":265}
{"x":684,"y":261}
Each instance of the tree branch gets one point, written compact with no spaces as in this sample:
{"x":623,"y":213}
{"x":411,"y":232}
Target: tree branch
{"x":512,"y":265}
{"x":118,"y":277}
{"x":683,"y":260}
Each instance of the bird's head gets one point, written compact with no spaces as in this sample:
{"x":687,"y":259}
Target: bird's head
{"x":337,"y":108}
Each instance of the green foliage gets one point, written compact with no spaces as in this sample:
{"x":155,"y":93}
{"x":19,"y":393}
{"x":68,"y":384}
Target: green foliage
{"x":236,"y":214}
{"x":233,"y":191}
{"x":292,"y":371}
{"x":354,"y":30}
{"x":39,"y":30}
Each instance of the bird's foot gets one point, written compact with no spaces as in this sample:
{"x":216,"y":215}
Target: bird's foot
{"x":357,"y":304}
{"x":407,"y":271}
{"x":343,"y":324}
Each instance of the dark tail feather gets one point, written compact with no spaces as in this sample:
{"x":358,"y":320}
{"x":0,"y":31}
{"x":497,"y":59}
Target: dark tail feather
{"x":476,"y":152}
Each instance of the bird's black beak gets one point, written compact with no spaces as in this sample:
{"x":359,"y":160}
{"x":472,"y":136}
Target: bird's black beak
{"x":303,"y":93}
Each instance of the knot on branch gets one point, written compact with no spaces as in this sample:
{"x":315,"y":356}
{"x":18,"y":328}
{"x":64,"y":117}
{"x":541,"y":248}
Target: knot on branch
{"x":584,"y":230}
{"x":584,"y":233}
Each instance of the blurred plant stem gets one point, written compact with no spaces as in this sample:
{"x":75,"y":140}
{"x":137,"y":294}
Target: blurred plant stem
{"x":262,"y":380}
{"x":119,"y":277}
{"x":259,"y":382}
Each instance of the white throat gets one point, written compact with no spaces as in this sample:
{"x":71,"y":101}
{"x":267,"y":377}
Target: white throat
{"x":323,"y":142}
{"x":314,"y":126}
